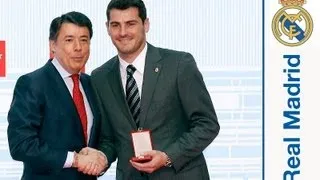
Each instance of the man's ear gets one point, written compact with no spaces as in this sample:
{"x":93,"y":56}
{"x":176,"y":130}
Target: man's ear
{"x":146,"y":25}
{"x":107,"y":26}
{"x":52,"y":45}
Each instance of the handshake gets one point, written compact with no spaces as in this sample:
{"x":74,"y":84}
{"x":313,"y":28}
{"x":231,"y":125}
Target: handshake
{"x":90,"y":161}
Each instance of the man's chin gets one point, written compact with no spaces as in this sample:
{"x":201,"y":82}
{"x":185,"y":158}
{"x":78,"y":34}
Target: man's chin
{"x":125,"y":50}
{"x":78,"y":68}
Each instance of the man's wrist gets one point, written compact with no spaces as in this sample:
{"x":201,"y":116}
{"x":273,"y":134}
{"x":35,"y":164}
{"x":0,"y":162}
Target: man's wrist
{"x":75,"y":160}
{"x":168,"y":162}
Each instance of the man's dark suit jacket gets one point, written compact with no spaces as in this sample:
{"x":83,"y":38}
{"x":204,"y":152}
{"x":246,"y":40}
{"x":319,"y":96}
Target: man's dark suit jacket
{"x":175,"y":106}
{"x":44,"y":125}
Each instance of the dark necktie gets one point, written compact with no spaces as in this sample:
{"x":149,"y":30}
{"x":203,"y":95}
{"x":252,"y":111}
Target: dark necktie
{"x":132,"y":94}
{"x":78,"y":101}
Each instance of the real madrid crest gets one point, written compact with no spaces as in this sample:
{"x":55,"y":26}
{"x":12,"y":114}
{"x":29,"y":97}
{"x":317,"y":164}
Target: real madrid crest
{"x":292,"y":25}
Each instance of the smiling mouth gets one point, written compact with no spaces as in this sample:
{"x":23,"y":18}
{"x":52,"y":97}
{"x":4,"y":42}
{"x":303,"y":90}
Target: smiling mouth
{"x":124,"y":40}
{"x":77,"y":58}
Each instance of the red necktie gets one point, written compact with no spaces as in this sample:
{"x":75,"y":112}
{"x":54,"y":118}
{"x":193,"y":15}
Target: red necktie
{"x":78,"y":101}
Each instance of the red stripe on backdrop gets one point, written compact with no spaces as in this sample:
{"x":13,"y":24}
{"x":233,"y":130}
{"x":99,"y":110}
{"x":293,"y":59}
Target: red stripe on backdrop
{"x":2,"y":58}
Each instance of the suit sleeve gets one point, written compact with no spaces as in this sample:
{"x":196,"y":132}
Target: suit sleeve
{"x":25,"y":118}
{"x":106,"y":139}
{"x":197,"y":104}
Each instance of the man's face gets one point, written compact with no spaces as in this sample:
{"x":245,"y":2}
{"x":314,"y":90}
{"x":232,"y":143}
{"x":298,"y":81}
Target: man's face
{"x":72,"y":47}
{"x":127,"y":32}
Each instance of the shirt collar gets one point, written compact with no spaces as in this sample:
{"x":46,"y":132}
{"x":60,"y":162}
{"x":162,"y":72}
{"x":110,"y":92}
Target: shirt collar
{"x":63,"y":73}
{"x":138,"y":63}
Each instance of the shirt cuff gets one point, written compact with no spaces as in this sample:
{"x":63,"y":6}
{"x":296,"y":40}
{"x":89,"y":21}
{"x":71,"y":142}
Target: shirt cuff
{"x":69,"y":160}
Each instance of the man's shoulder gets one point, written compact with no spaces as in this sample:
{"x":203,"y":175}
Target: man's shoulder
{"x":176,"y":57}
{"x":39,"y":73}
{"x":35,"y":78}
{"x":166,"y":52}
{"x":106,"y":67}
{"x":170,"y":51}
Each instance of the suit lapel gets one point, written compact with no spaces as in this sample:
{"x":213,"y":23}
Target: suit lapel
{"x":63,"y":96}
{"x":150,"y":77}
{"x":87,"y":89}
{"x":117,"y":88}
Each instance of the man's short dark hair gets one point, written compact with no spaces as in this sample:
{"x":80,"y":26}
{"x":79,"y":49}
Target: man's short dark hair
{"x":125,"y":4}
{"x":73,"y":17}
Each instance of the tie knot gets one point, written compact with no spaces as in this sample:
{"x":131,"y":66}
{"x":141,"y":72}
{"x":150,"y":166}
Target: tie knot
{"x":131,"y":69}
{"x":75,"y":78}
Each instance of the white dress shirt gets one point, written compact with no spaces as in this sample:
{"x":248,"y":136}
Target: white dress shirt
{"x":139,"y":64}
{"x":69,"y":83}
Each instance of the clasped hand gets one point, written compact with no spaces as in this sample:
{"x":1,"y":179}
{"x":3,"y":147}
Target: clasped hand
{"x":90,"y":161}
{"x":158,"y":161}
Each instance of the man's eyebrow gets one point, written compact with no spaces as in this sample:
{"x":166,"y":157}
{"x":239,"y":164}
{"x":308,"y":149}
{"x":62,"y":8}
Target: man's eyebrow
{"x":68,"y":36}
{"x":129,"y":21}
{"x":86,"y":36}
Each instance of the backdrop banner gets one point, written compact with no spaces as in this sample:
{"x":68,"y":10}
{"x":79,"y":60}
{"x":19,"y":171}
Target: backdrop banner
{"x":2,"y":59}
